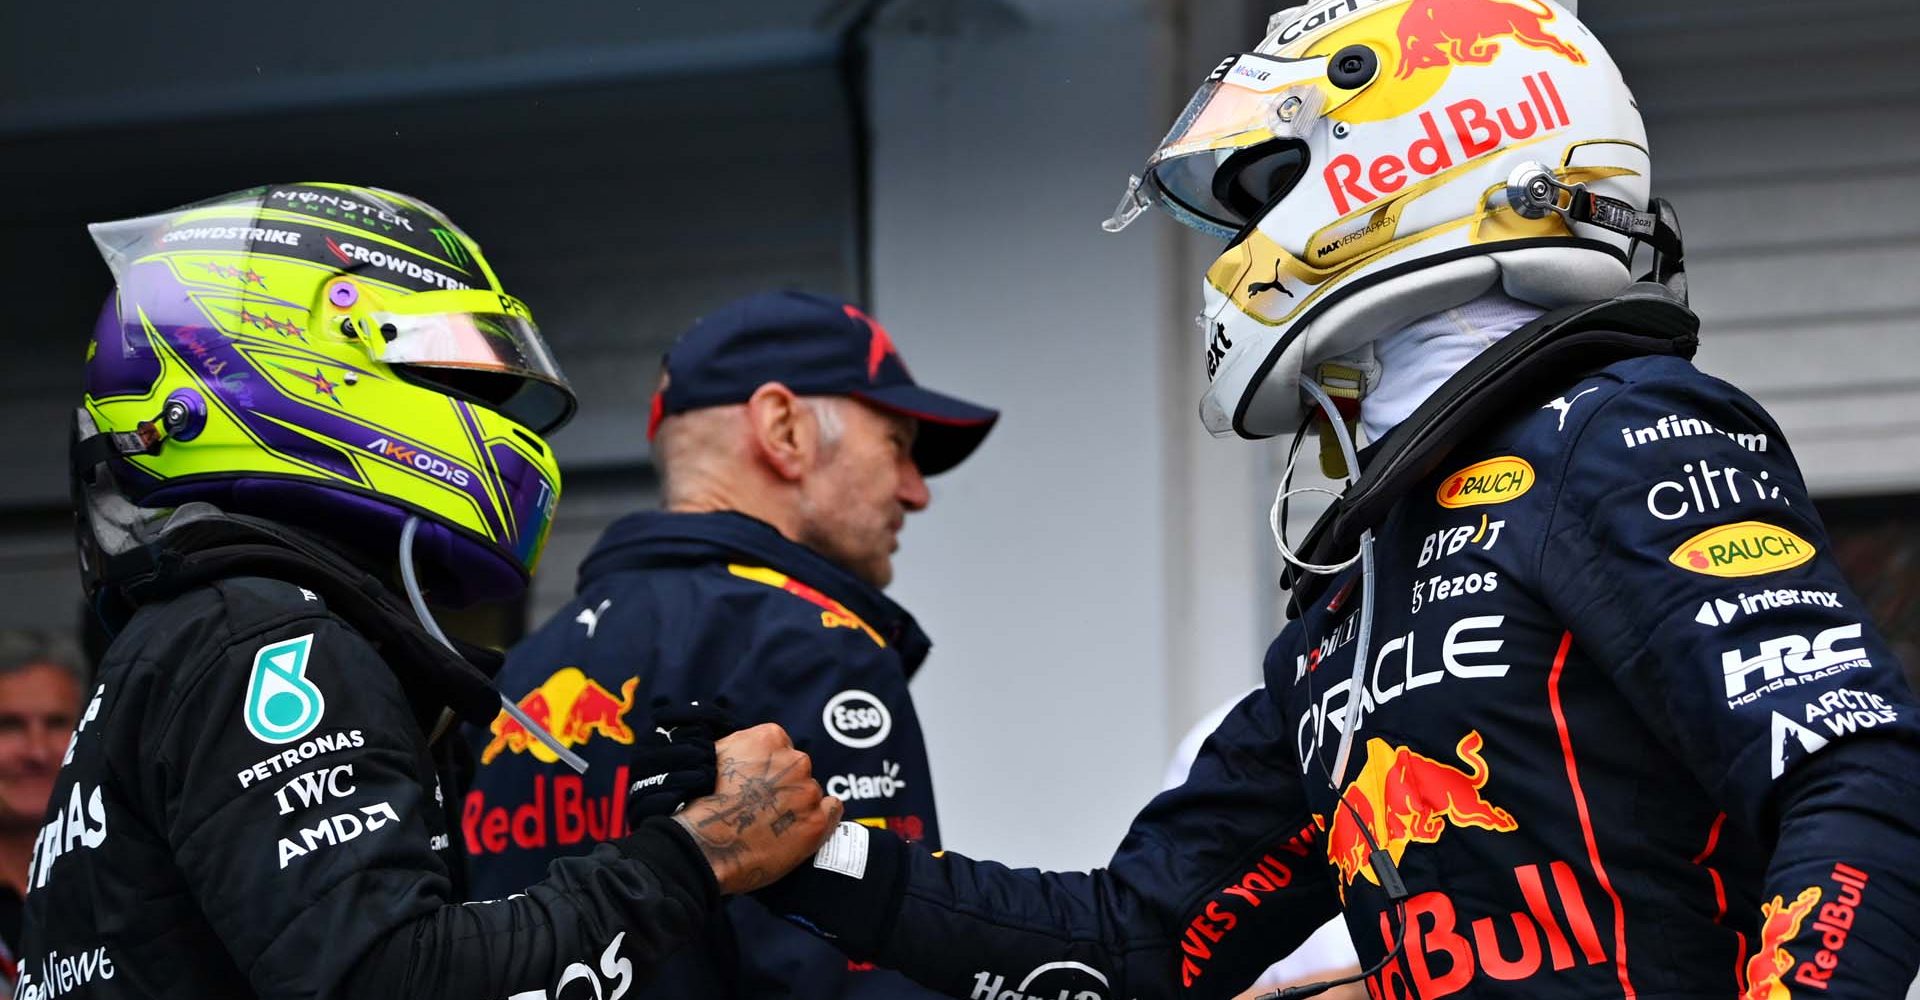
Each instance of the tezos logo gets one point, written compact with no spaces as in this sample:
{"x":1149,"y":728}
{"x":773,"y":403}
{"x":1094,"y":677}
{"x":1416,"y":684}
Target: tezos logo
{"x":1496,"y":480}
{"x":1746,"y":548}
{"x":282,"y":704}
{"x":857,"y":719}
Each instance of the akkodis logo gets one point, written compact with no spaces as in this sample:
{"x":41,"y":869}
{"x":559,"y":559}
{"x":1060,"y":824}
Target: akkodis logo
{"x":571,"y":706}
{"x":1406,"y":798}
{"x":1745,"y":548}
{"x":1496,"y":480}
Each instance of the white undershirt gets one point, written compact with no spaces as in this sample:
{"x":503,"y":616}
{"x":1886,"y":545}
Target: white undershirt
{"x":1417,"y":360}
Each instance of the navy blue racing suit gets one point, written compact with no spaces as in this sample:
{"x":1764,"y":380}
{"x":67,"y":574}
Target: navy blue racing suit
{"x":699,"y":607}
{"x":1625,"y":731}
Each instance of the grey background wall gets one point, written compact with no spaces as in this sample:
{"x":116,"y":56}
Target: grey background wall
{"x":1100,"y":575}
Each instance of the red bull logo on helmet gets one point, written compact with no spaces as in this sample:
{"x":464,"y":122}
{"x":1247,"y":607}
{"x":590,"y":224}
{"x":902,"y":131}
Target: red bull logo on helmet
{"x":1439,"y":33}
{"x":571,"y":706}
{"x":1455,"y":135}
{"x":1405,"y":798}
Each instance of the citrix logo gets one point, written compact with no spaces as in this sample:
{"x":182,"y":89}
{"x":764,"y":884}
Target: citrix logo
{"x":1703,"y":488}
{"x":432,"y":465}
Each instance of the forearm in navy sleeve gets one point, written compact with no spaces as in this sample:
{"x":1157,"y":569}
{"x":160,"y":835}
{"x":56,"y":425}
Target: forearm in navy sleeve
{"x":1216,"y":879}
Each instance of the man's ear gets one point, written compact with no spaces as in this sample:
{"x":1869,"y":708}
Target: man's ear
{"x":784,"y":433}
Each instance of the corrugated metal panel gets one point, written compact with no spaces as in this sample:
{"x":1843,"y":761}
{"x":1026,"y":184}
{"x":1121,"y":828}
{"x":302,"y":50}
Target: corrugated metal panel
{"x":1788,"y":136}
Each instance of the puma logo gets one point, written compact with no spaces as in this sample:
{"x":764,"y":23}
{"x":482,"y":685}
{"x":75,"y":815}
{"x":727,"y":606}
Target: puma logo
{"x":1565,"y":405}
{"x":590,"y":617}
{"x":1276,"y":285}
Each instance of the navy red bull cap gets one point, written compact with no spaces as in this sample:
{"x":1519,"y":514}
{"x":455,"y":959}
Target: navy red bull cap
{"x":815,"y":346}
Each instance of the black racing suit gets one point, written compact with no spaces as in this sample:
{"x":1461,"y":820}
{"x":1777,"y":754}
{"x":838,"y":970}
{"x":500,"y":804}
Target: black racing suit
{"x":249,"y":809}
{"x":1626,"y":732}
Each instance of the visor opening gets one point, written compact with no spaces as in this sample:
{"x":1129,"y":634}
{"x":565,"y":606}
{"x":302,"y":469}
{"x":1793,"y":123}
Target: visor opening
{"x":1253,"y":180}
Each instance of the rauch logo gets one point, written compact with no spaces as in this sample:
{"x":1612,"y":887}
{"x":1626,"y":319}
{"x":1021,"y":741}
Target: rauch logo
{"x":1495,"y":480}
{"x":1746,"y":548}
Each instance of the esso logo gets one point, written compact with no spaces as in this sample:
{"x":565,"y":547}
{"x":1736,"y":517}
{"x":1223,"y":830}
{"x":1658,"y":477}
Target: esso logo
{"x":857,"y":719}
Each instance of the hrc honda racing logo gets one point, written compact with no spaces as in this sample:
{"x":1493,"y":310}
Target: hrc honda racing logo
{"x":1789,"y":661}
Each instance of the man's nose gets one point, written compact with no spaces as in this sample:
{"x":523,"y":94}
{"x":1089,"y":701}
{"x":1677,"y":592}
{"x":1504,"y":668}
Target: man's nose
{"x":914,"y":494}
{"x":47,"y":744}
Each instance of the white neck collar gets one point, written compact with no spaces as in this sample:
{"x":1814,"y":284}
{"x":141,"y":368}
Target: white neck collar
{"x":1418,"y":359}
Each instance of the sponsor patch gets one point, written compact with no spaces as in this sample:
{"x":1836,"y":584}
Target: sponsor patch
{"x":857,"y":719}
{"x":1742,"y":549}
{"x":282,"y":704}
{"x":1789,"y":661}
{"x":1496,"y":480}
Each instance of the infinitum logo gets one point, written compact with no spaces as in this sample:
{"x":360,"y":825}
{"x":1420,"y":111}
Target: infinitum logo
{"x":1674,"y":425}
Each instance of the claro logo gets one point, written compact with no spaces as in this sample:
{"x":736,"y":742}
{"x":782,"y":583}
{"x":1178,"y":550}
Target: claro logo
{"x":432,"y":465}
{"x":1495,"y":480}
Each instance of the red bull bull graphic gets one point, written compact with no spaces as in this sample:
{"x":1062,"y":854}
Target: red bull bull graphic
{"x":1779,"y":923}
{"x":1439,"y":33}
{"x":833,"y":614}
{"x":1405,"y":798}
{"x":571,"y":706}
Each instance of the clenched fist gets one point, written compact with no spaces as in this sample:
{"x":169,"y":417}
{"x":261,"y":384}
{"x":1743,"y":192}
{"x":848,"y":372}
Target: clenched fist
{"x":766,"y":814}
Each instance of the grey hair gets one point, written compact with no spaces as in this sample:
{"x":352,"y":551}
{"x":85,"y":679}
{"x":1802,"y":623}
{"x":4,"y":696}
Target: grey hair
{"x":827,"y":413}
{"x":23,"y":648}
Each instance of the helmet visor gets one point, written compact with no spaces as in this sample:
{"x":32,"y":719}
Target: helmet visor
{"x":1248,"y":103}
{"x":496,"y":358}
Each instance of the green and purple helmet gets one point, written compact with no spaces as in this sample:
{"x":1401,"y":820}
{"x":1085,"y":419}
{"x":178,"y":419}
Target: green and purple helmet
{"x":339,"y":359}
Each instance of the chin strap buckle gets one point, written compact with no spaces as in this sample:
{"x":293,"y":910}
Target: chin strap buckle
{"x":1346,"y":385}
{"x":1535,"y":192}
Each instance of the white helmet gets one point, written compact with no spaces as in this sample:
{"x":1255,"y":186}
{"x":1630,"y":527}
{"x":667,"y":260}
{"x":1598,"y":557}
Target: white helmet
{"x":1359,"y":160}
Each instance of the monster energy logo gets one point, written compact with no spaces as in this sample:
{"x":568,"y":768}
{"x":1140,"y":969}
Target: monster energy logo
{"x":456,"y":251}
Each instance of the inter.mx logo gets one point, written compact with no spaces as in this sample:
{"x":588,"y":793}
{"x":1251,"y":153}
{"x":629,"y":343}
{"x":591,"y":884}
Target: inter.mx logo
{"x":1788,"y":661}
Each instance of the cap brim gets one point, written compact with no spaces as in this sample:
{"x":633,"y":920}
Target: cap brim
{"x":949,"y":428}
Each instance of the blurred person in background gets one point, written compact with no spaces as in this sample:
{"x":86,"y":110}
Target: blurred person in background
{"x":792,"y":443}
{"x":307,"y":408}
{"x":41,"y":680}
{"x":1575,"y":700}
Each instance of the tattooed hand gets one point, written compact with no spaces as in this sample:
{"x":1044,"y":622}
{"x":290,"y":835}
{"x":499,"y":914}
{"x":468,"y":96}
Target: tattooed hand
{"x":766,"y":814}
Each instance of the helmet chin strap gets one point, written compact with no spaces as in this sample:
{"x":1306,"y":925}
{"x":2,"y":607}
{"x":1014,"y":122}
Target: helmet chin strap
{"x":1337,"y":426}
{"x":1343,"y":386}
{"x":419,"y":601}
